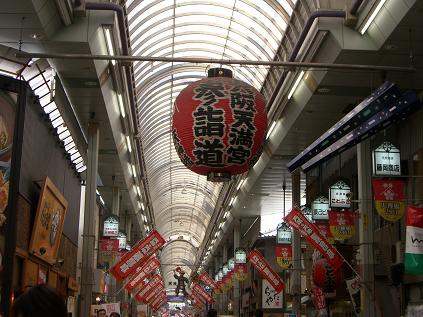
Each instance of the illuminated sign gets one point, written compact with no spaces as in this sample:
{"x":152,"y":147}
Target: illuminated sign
{"x":386,"y":160}
{"x":319,"y":208}
{"x":111,"y":227}
{"x":340,"y":195}
{"x":240,"y":256}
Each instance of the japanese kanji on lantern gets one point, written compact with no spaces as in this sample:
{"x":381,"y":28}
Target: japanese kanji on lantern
{"x":219,"y":125}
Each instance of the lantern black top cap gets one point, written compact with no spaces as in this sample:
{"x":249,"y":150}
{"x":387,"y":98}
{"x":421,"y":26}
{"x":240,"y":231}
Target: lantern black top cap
{"x":219,"y":72}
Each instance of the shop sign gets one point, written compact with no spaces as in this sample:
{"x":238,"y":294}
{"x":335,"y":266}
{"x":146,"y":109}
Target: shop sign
{"x":157,"y":302}
{"x":231,"y":264}
{"x":341,"y":224}
{"x":137,"y":256}
{"x":202,"y":292}
{"x":353,"y":286}
{"x":306,"y":210}
{"x":109,"y":244}
{"x":225,"y":269}
{"x":220,"y":275}
{"x":240,"y":272}
{"x":311,"y":233}
{"x":155,"y":282}
{"x":386,"y":160}
{"x":155,"y":292}
{"x":111,"y":227}
{"x":48,"y":223}
{"x":260,"y":264}
{"x":284,"y":256}
{"x":320,"y":207}
{"x":122,"y":241}
{"x":283,"y":234}
{"x":240,"y":256}
{"x":270,"y":298}
{"x":389,"y":198}
{"x":206,"y":279}
{"x":216,"y":277}
{"x":339,"y":195}
{"x":141,"y":274}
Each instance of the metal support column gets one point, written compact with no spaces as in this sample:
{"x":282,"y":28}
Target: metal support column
{"x":237,"y":291}
{"x":115,"y":211}
{"x":88,"y":245}
{"x":296,"y":248}
{"x":364,"y":165}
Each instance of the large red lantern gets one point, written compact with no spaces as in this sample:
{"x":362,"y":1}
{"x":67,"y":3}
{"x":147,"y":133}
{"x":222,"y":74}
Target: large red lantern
{"x":325,"y":277}
{"x":219,"y":125}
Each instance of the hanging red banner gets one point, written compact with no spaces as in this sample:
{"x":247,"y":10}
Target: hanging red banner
{"x":159,"y":298}
{"x":324,"y":230}
{"x":389,"y":198}
{"x":206,"y":279}
{"x":258,"y":261}
{"x":200,"y":301}
{"x":166,"y":313}
{"x":142,"y":274}
{"x":154,"y":293}
{"x":319,"y":298}
{"x":311,"y":233}
{"x":109,"y":244}
{"x":154,"y":282}
{"x":137,"y":256}
{"x":341,"y":224}
{"x":240,"y":272}
{"x":284,"y":256}
{"x":203,"y":293}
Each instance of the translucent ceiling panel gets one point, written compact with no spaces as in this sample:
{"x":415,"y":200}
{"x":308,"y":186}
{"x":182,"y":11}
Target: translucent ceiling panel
{"x":183,"y":202}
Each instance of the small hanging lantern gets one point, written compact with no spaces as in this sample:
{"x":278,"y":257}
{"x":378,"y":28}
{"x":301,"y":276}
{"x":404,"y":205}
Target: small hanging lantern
{"x":325,"y":277}
{"x":319,"y":208}
{"x":340,"y":195}
{"x":219,"y":125}
{"x":283,"y":234}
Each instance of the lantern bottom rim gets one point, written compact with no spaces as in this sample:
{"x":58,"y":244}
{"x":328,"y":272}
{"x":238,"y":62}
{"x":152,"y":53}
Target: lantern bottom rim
{"x":215,"y":176}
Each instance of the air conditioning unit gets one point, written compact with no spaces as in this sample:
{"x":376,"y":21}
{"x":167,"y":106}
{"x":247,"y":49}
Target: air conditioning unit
{"x":397,"y":253}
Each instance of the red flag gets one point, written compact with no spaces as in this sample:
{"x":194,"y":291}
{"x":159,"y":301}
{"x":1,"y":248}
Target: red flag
{"x":155,"y":281}
{"x":109,"y":244}
{"x":284,"y":256}
{"x":206,"y":279}
{"x":142,"y":274}
{"x":258,"y":261}
{"x":139,"y":254}
{"x":202,"y":292}
{"x":310,"y":232}
{"x":319,"y":298}
{"x":341,"y":224}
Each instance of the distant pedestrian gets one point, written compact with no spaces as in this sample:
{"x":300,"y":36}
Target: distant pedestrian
{"x":101,"y":312}
{"x":39,"y":301}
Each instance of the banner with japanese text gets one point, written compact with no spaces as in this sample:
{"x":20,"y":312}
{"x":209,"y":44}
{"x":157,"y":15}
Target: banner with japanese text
{"x":206,"y":279}
{"x":159,"y":298}
{"x":284,"y":256}
{"x":240,"y":272}
{"x":319,"y":301}
{"x":341,"y":224}
{"x":261,"y":265}
{"x":109,"y":244}
{"x":270,"y":298}
{"x":142,"y":274}
{"x":137,"y":256}
{"x":353,"y":286}
{"x":414,"y":241}
{"x":155,"y":293}
{"x":389,"y":198}
{"x":311,"y":233}
{"x":324,"y":230}
{"x":154,"y":282}
{"x":197,"y":288}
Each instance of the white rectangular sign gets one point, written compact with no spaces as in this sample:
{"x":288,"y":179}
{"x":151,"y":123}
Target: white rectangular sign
{"x":271,"y":299}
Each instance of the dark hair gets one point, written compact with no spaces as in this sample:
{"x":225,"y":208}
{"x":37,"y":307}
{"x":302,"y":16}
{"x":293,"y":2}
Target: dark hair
{"x":114,"y":314}
{"x":100,"y":310}
{"x":212,"y":313}
{"x":39,"y":301}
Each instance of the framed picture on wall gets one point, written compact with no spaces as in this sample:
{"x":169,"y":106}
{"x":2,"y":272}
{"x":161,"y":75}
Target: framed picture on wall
{"x":48,"y":223}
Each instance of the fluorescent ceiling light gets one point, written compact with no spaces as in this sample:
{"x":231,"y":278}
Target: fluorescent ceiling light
{"x":221,"y":225}
{"x":102,"y":201}
{"x":142,"y":206}
{"x":97,"y":192}
{"x":109,"y":43}
{"x":134,"y":172}
{"x":297,"y":82}
{"x":269,"y":132}
{"x":240,"y":184}
{"x":225,"y":215}
{"x":231,"y":201}
{"x":372,"y":16}
{"x":128,"y":144}
{"x":121,"y":106}
{"x":138,"y":190}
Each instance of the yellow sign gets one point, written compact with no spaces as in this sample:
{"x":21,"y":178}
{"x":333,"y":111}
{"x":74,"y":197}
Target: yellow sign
{"x":390,"y":210}
{"x":341,"y":232}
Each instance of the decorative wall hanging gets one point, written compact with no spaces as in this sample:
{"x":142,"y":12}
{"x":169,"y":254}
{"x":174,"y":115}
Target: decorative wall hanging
{"x":389,"y":198}
{"x":284,"y":256}
{"x":341,"y":224}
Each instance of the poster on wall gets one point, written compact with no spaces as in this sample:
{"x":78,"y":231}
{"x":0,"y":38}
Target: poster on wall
{"x":48,"y":223}
{"x":109,"y":308}
{"x":270,"y":298}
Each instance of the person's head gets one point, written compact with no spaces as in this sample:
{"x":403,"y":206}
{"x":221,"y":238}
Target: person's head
{"x":39,"y":301}
{"x":101,"y":313}
{"x":114,"y":314}
{"x":212,"y":313}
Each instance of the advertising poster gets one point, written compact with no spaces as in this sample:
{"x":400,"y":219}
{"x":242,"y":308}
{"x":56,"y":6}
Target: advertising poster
{"x":270,"y":298}
{"x":108,"y":307}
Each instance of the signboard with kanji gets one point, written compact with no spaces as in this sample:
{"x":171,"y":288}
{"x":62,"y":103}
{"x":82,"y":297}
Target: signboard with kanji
{"x":137,"y":256}
{"x":270,"y":298}
{"x":142,"y":274}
